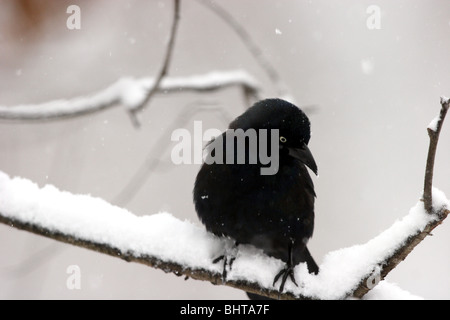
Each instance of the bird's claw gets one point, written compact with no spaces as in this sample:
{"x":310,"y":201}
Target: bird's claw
{"x":226,"y":261}
{"x":287,"y":271}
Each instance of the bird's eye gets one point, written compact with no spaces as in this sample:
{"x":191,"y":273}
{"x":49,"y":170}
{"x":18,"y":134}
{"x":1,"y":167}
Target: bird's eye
{"x":283,"y":139}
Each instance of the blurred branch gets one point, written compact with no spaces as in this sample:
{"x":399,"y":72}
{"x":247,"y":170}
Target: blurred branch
{"x":34,"y":260}
{"x":165,"y":66}
{"x":252,"y":46}
{"x":151,"y":161}
{"x":128,"y":92}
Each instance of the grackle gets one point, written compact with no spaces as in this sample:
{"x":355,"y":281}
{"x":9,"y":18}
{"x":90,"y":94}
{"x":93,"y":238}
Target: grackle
{"x":274,"y":211}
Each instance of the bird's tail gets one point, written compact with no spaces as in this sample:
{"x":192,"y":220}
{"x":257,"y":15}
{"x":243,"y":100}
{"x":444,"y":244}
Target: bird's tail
{"x":312,"y":265}
{"x":312,"y":268}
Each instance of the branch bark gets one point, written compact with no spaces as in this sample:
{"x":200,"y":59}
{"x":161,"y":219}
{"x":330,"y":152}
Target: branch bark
{"x":434,"y":129}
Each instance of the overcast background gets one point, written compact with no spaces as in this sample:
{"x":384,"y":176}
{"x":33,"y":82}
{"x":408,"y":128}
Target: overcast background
{"x":374,"y":92}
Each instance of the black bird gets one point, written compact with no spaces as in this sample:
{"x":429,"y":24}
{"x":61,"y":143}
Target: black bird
{"x":273,"y":212}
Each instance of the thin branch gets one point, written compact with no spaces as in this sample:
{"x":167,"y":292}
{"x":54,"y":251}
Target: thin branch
{"x":399,"y":255}
{"x":434,"y":129}
{"x":165,"y":65}
{"x":441,"y":213}
{"x":128,"y":92}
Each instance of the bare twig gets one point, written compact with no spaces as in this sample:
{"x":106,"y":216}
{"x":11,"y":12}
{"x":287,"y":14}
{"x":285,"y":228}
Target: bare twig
{"x":125,"y":92}
{"x":165,"y":65}
{"x":434,"y":129}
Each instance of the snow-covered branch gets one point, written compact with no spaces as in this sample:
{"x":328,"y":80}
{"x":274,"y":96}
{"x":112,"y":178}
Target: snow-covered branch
{"x":409,"y":232}
{"x":135,"y":94}
{"x":164,"y":242}
{"x":159,"y":240}
{"x":129,"y":92}
{"x":434,"y":129}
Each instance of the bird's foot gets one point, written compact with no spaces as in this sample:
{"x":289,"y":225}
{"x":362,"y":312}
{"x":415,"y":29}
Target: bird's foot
{"x":287,"y":271}
{"x":227,"y":262}
{"x":228,"y":258}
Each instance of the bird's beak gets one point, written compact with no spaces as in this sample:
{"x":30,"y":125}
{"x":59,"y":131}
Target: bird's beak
{"x":304,"y":155}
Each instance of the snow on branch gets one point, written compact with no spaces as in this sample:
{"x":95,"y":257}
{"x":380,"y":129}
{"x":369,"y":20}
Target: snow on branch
{"x":164,"y":242}
{"x":158,"y":240}
{"x":129,"y":92}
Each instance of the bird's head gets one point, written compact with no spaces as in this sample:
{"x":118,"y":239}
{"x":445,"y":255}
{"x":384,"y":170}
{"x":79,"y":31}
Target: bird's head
{"x":292,"y":123}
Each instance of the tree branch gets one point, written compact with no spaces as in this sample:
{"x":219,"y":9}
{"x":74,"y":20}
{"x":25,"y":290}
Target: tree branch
{"x":128,"y":92}
{"x":440,"y":213}
{"x":434,"y":129}
{"x":151,"y":261}
{"x":135,"y":94}
{"x":398,"y":256}
{"x":165,"y":65}
{"x":98,"y":232}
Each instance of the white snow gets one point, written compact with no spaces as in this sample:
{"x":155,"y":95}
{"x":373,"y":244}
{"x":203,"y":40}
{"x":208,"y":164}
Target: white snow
{"x":132,"y":92}
{"x":433,"y":124}
{"x":389,"y":291}
{"x":166,"y":237}
{"x":342,"y":269}
{"x":89,"y":218}
{"x":211,"y":79}
{"x":367,"y":65}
